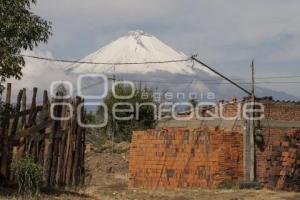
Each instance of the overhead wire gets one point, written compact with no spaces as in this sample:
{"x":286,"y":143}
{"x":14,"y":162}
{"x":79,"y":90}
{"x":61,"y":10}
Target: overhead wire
{"x":104,"y":63}
{"x":148,"y":62}
{"x":208,"y":82}
{"x":189,"y":82}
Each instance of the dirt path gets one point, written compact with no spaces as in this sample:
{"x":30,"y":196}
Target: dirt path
{"x":107,"y":180}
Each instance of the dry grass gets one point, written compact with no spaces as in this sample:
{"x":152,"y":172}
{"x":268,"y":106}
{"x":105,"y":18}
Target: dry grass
{"x":108,"y":181}
{"x":159,"y":194}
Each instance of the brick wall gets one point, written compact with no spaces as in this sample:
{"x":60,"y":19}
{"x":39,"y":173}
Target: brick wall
{"x":278,"y":110}
{"x":273,"y":136}
{"x":170,"y":158}
{"x":283,"y":166}
{"x":185,"y":158}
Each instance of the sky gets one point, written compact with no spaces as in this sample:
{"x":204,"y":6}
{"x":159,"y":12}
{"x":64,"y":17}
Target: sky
{"x":226,"y":34}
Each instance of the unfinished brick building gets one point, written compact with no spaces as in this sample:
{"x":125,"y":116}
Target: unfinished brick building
{"x":197,"y":153}
{"x":185,"y":157}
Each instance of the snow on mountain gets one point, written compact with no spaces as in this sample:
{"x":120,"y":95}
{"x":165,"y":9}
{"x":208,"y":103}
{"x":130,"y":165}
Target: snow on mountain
{"x":136,"y":46}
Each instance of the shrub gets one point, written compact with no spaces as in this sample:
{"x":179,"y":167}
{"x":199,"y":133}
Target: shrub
{"x":227,"y":185}
{"x":143,"y":118}
{"x":28,"y":175}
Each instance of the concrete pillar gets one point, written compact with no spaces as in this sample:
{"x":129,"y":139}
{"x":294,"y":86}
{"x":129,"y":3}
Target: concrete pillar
{"x":246,"y":151}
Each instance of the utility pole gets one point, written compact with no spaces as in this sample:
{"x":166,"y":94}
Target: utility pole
{"x":252,"y":126}
{"x":113,"y":119}
{"x":249,"y":141}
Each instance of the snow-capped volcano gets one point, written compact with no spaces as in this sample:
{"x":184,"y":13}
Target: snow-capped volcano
{"x":136,"y":46}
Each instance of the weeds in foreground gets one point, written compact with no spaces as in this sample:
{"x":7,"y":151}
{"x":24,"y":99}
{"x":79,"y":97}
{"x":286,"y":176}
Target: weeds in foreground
{"x":28,"y":175}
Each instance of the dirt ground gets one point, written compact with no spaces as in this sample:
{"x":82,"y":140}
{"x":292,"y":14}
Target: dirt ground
{"x":107,"y":180}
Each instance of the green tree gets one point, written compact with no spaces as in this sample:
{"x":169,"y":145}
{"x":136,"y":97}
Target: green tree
{"x":20,"y":29}
{"x":194,"y":102}
{"x":146,"y":113}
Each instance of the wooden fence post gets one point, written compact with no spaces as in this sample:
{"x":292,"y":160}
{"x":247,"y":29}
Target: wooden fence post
{"x":59,"y":147}
{"x":69,"y":164}
{"x":77,"y":147}
{"x":32,"y":149}
{"x":21,"y":146}
{"x":62,"y":147}
{"x":24,"y":108}
{"x":44,"y":115}
{"x":14,"y":128}
{"x":82,"y":163}
{"x":4,"y":138}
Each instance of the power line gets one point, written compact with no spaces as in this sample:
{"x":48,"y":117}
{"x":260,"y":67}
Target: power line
{"x":147,"y":62}
{"x":213,"y":83}
{"x":105,"y":63}
{"x":221,"y":75}
{"x":216,"y":79}
{"x":262,"y":77}
{"x":189,"y":83}
{"x":277,"y":77}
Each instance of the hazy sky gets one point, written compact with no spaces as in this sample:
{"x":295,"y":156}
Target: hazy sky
{"x":224,"y":33}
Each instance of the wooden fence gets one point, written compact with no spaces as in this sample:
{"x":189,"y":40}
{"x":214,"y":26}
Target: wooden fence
{"x":57,"y":145}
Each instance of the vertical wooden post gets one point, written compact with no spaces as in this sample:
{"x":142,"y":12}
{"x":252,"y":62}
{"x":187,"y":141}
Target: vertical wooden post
{"x":32,"y":115}
{"x":47,"y":142}
{"x":62,"y":147}
{"x":44,"y":115}
{"x":8,"y":93}
{"x":14,"y":127}
{"x":31,"y":148}
{"x":24,"y":108}
{"x":77,"y":147}
{"x":16,"y":116}
{"x":4,"y":138}
{"x":55,"y":142}
{"x":21,"y":147}
{"x":50,"y":149}
{"x":82,"y":164}
{"x":69,"y":147}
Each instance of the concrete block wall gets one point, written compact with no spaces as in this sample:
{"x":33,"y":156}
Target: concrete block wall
{"x":180,"y":157}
